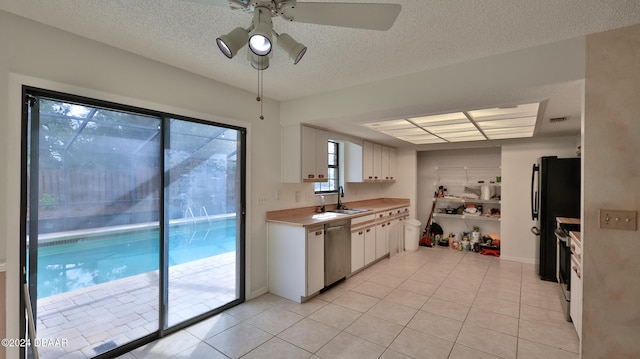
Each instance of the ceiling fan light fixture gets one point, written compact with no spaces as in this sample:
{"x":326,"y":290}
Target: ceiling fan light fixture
{"x":295,"y":49}
{"x":260,"y":36}
{"x":258,"y":62}
{"x":231,"y":43}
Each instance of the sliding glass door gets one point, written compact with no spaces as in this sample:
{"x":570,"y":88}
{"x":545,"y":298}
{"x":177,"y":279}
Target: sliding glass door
{"x":204,"y":208}
{"x":132,"y":222}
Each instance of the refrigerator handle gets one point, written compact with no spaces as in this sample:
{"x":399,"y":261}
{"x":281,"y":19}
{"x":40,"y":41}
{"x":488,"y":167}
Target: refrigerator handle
{"x":534,"y":193}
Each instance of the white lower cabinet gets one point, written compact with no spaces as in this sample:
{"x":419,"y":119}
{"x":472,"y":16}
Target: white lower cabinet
{"x":394,"y":236}
{"x":576,"y":302}
{"x":362,"y":248}
{"x":357,"y":249}
{"x":575,"y":308}
{"x":382,"y":245}
{"x":369,"y":245}
{"x":296,"y":260}
{"x":315,"y":260}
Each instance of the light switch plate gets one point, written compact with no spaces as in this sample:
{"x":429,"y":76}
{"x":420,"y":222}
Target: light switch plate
{"x":261,"y":200}
{"x":619,"y":219}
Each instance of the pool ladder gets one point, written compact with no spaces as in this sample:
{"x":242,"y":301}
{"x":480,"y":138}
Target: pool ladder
{"x":203,"y":209}
{"x":188,"y":212}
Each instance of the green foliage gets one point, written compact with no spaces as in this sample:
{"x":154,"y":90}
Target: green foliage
{"x":49,"y":201}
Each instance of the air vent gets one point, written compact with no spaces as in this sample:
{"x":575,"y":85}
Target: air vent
{"x":557,"y":119}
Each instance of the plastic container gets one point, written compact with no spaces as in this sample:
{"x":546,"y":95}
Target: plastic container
{"x":411,"y":234}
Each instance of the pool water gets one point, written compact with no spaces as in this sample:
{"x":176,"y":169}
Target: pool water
{"x":71,"y":266}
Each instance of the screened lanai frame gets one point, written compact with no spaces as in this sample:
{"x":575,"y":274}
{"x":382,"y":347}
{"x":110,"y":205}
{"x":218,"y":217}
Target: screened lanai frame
{"x":144,"y":133}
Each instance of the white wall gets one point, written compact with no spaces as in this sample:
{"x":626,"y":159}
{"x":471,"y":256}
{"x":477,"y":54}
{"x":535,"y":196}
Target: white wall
{"x":519,"y":243}
{"x":38,"y":55}
{"x":506,"y":78}
{"x":611,"y":258}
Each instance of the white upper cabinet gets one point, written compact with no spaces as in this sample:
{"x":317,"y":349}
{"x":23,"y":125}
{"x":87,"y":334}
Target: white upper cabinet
{"x":304,"y":154}
{"x":366,"y":162}
{"x":370,"y":162}
{"x":393,"y":160}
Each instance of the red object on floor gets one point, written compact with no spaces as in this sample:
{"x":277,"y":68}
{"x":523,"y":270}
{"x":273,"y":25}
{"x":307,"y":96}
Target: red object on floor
{"x":490,"y":251}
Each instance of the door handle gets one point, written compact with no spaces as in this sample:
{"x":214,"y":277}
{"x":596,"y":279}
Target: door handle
{"x":534,"y":193}
{"x":536,"y":231}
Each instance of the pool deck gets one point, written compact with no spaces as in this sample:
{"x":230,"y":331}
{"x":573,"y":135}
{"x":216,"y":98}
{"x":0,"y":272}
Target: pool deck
{"x":89,"y":321}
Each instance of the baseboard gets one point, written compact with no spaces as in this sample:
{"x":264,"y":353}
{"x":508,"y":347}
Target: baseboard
{"x":517,"y":259}
{"x":256,"y":293}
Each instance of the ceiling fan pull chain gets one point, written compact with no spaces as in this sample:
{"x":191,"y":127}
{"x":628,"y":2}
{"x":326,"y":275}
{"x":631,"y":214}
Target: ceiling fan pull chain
{"x":260,"y":86}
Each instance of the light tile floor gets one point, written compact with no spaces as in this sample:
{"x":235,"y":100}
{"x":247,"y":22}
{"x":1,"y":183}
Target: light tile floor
{"x":432,"y":303}
{"x":95,"y":319}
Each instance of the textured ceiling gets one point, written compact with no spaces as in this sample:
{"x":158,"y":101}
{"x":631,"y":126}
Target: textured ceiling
{"x":426,"y":35}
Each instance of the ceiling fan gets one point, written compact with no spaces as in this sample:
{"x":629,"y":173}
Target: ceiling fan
{"x":259,"y":34}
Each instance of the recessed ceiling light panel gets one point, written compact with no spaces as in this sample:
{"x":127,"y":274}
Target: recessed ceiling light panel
{"x":477,"y":125}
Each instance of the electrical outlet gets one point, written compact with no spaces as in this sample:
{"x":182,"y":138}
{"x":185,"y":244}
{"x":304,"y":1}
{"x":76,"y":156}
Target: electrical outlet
{"x":261,"y":200}
{"x":619,"y":219}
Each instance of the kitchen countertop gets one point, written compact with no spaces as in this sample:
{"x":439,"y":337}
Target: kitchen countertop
{"x":576,"y":235}
{"x":566,"y":220}
{"x":307,"y":216}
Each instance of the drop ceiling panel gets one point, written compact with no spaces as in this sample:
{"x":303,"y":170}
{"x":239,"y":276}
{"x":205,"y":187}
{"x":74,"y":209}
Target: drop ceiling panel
{"x":475,"y":125}
{"x":512,"y":122}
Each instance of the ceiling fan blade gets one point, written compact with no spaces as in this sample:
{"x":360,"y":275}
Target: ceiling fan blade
{"x":371,"y":16}
{"x":224,"y":3}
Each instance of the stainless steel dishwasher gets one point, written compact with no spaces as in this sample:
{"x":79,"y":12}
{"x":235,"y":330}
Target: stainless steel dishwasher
{"x":337,"y":251}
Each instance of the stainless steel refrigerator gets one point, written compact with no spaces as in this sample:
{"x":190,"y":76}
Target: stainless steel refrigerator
{"x":555,"y":192}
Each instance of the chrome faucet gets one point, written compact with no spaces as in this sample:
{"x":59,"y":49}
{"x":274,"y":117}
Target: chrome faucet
{"x":340,"y":194}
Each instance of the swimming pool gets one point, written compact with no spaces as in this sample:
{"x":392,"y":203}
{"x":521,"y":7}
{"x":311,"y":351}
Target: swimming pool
{"x":78,"y":264}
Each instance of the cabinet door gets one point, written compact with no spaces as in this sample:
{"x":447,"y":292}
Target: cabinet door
{"x":393,"y":236}
{"x":382,"y":246}
{"x":321,"y":155}
{"x":384,"y":163}
{"x":575,"y":308}
{"x":315,"y":261}
{"x":369,"y":245}
{"x":357,"y":250}
{"x":309,"y":151}
{"x":393,"y":157}
{"x":367,"y":161}
{"x":377,"y":162}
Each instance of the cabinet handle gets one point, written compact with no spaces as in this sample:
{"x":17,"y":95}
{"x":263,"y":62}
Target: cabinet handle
{"x":375,"y":177}
{"x":318,"y":233}
{"x":368,"y":230}
{"x":370,"y":177}
{"x":310,"y":176}
{"x":320,"y":176}
{"x":383,"y":225}
{"x":575,"y":269}
{"x":388,"y":224}
{"x":360,"y":232}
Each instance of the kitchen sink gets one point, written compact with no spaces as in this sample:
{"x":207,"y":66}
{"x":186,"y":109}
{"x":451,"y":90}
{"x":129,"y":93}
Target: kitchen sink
{"x":351,"y":211}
